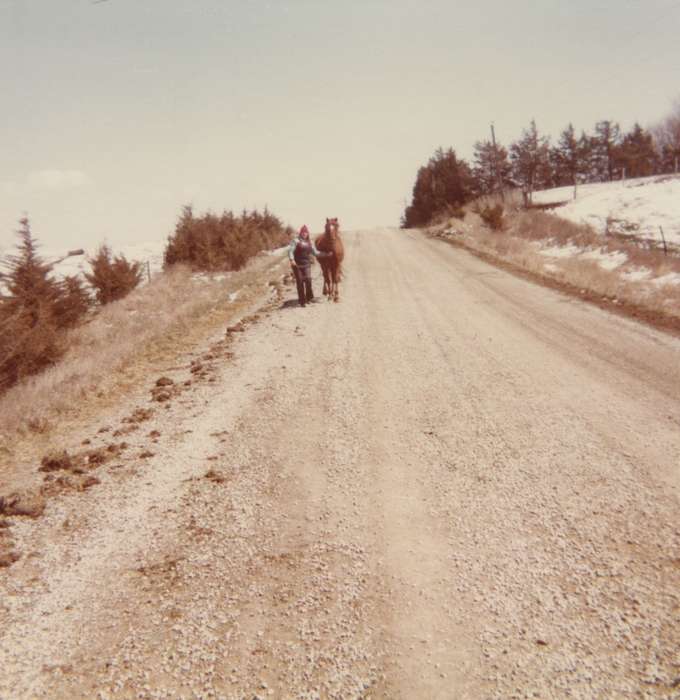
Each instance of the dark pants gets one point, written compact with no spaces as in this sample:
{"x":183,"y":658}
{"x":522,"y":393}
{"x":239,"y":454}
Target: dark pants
{"x":303,"y":279}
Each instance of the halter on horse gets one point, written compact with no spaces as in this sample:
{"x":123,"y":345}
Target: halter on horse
{"x":330,"y":241}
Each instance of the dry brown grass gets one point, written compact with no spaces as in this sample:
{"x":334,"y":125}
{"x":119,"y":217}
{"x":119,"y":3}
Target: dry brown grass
{"x":112,"y":350}
{"x":540,"y":226}
{"x":511,"y":201}
{"x":517,"y":245}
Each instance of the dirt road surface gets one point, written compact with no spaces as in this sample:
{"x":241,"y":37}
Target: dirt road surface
{"x":452,"y":484}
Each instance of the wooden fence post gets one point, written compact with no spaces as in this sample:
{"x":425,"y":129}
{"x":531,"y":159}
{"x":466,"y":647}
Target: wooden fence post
{"x":663,"y":238}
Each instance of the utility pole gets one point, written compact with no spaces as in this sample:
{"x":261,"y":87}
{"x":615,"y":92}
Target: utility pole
{"x":499,"y":179}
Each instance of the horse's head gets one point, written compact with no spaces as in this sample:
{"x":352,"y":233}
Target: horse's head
{"x":332,"y":228}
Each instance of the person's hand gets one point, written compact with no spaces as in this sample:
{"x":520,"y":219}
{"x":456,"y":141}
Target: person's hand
{"x":293,"y":263}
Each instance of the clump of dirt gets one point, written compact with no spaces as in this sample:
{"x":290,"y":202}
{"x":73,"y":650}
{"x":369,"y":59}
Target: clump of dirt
{"x":166,"y":570}
{"x":236,"y":328}
{"x":116,"y":449}
{"x":87,"y":482}
{"x":29,"y":504}
{"x":126,"y":430}
{"x":215,"y":476}
{"x":146,"y":454}
{"x":78,"y":463}
{"x":160,"y":395}
{"x":95,"y":458}
{"x":154,"y":434}
{"x":164,"y":381}
{"x":139,"y":415}
{"x":54,"y":486}
{"x":61,"y":484}
{"x":8,"y":554}
{"x":55,"y":461}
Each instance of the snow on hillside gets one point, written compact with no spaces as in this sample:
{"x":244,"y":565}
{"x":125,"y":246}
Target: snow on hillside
{"x":150,"y":251}
{"x":631,"y":207}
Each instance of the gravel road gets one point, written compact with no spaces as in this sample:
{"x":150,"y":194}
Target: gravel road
{"x":451,"y":484}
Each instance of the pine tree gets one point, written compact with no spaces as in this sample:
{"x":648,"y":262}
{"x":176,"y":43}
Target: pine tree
{"x":571,"y":157}
{"x":637,"y":153}
{"x":530,"y":161}
{"x":490,"y":168}
{"x":606,"y":149}
{"x":112,"y":277}
{"x":568,"y":156}
{"x":74,"y":302}
{"x":444,"y":183}
{"x":586,"y":149}
{"x":29,"y":333}
{"x":31,"y":288}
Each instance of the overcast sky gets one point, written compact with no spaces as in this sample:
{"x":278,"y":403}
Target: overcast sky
{"x":116,"y":113}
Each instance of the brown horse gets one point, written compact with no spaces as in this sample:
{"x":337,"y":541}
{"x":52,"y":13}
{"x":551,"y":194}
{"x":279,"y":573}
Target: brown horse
{"x":330,"y":242}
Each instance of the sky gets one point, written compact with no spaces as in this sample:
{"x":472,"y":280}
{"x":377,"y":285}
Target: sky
{"x":117,"y":113}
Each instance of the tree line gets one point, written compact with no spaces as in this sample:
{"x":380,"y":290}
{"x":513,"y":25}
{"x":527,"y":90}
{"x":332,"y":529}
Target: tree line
{"x":532,"y":162}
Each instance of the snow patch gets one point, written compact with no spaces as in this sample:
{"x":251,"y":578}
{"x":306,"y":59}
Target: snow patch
{"x":607,"y":261}
{"x":635,"y":207}
{"x":637,"y":274}
{"x":671,"y":279}
{"x":558,"y":251}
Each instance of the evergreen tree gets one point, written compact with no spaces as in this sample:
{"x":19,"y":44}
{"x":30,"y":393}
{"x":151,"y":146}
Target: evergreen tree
{"x":530,"y":161}
{"x":568,"y":156}
{"x":586,"y":147}
{"x":112,"y":277}
{"x":637,"y":153}
{"x":490,"y":168}
{"x":445,"y":182}
{"x":606,"y":150}
{"x":571,"y":157}
{"x":74,"y":302}
{"x":31,"y":288}
{"x":29,"y":337}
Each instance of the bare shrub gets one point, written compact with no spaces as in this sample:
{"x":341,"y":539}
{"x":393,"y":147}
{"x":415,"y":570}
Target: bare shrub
{"x":493,"y":217}
{"x":112,"y":277}
{"x":538,"y":225}
{"x":511,"y":201}
{"x":456,"y":212}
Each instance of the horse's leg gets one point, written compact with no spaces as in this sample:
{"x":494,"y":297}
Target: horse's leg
{"x":336,"y":291}
{"x":325,"y":281}
{"x":329,"y":280}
